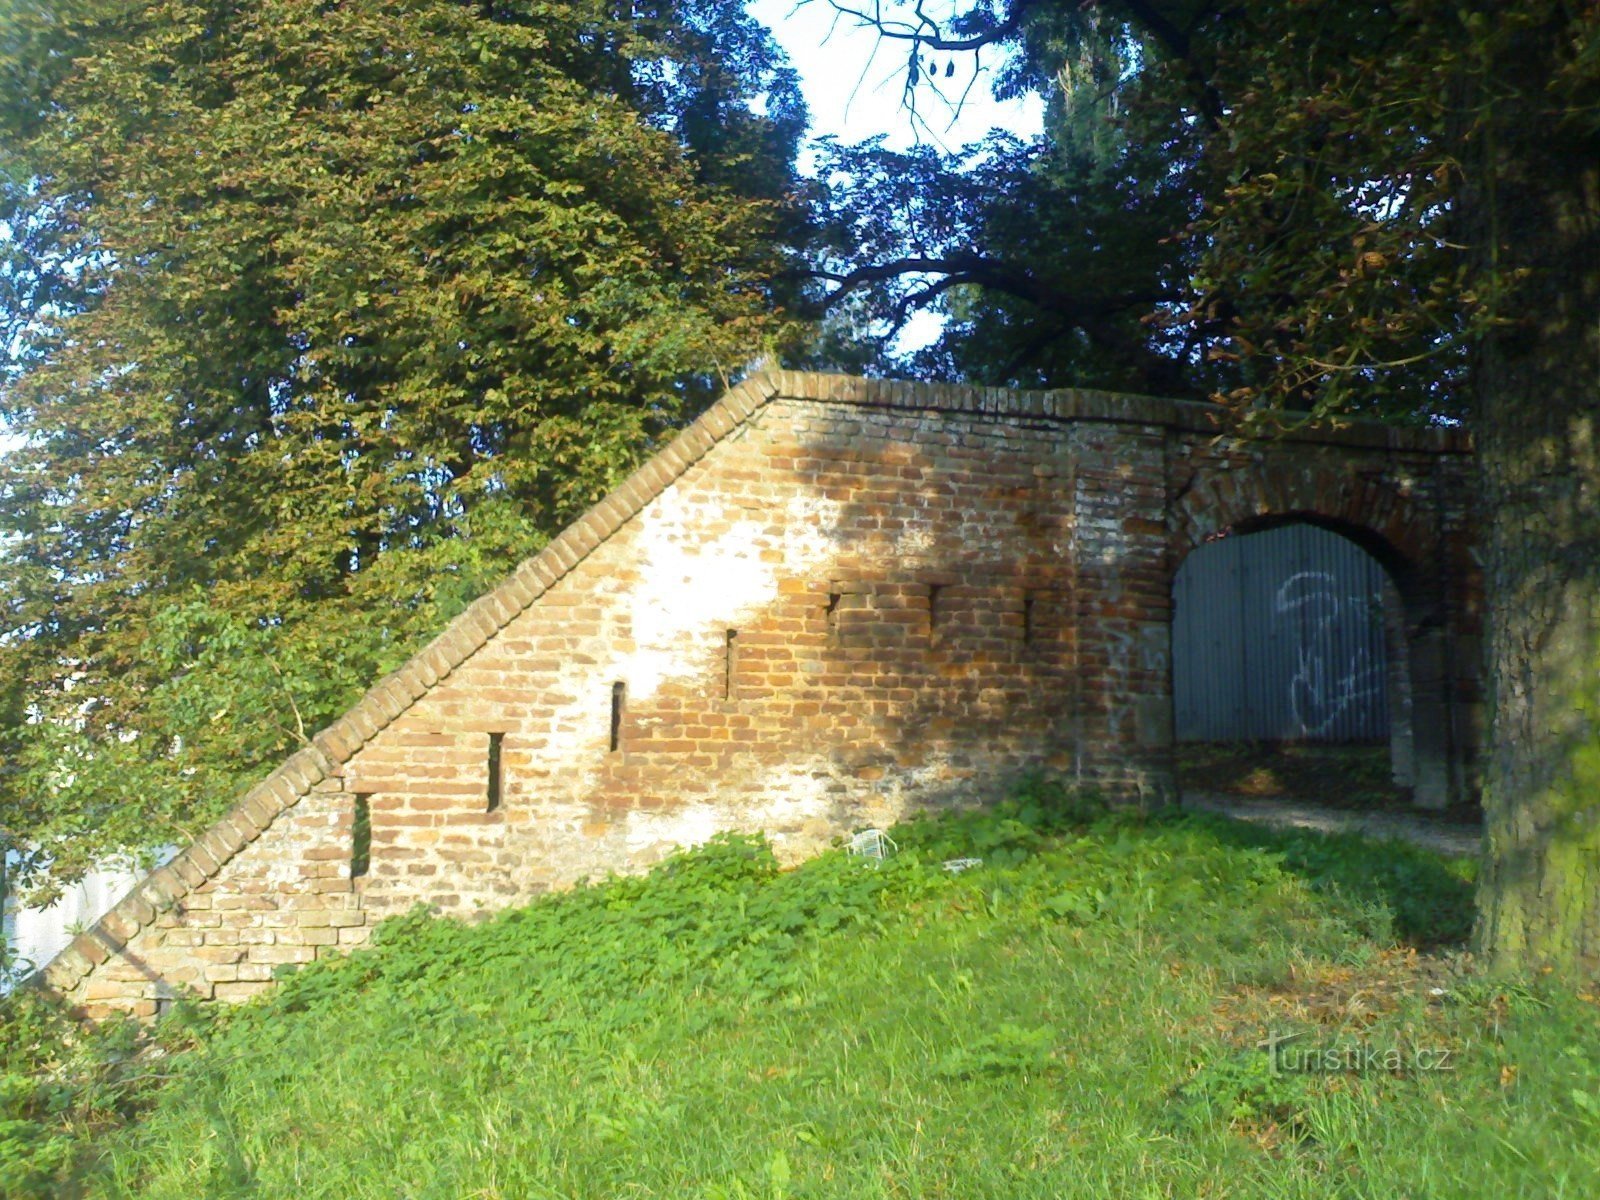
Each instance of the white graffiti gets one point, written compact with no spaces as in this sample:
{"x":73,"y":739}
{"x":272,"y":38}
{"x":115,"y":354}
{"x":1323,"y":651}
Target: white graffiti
{"x":1326,"y":684}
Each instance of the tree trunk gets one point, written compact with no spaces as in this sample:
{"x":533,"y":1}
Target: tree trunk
{"x":1536,"y":208}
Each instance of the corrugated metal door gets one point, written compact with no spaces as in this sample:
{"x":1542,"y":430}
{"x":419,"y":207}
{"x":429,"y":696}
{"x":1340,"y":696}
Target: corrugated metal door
{"x":1278,"y":636}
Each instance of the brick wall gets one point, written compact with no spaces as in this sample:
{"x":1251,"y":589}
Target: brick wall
{"x":827,"y":603}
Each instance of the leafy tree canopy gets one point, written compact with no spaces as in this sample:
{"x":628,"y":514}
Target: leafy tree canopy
{"x":1046,"y":258}
{"x":1259,"y":203}
{"x":315,"y":317}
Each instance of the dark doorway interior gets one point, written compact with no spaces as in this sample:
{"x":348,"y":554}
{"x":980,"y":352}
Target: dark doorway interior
{"x":1291,"y":670}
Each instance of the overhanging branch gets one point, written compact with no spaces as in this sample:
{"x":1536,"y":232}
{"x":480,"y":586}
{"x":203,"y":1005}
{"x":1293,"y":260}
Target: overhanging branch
{"x":1103,"y":317}
{"x":995,"y":275}
{"x":923,"y":30}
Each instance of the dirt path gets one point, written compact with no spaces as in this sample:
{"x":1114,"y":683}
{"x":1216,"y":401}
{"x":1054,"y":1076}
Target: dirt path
{"x":1430,"y":832}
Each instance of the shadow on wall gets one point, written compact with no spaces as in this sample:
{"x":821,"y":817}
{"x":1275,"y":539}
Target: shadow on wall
{"x":914,"y":646}
{"x":827,"y":612}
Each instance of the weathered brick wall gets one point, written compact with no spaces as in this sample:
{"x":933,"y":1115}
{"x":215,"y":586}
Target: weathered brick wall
{"x":284,"y":897}
{"x":894,"y":601}
{"x":828,"y":602}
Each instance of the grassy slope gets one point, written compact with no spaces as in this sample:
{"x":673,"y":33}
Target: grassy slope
{"x":1076,"y":1018}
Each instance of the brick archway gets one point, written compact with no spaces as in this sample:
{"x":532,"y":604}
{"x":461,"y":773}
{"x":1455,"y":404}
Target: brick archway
{"x":1374,"y":513}
{"x":1416,"y":529}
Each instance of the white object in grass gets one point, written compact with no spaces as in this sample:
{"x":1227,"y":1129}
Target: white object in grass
{"x":872,"y":843}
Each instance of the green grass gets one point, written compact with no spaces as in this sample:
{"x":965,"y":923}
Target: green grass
{"x":1077,"y":1017}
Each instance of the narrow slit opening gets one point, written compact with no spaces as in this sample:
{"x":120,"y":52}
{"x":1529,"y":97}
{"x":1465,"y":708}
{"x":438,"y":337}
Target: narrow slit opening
{"x":496,"y":770}
{"x":361,"y":837}
{"x":618,"y":692}
{"x":833,"y":613}
{"x":730,"y":662}
{"x":935,"y":609}
{"x":1029,"y":599}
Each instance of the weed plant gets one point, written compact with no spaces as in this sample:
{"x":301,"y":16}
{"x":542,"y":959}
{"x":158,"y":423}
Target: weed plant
{"x":1080,"y":1015}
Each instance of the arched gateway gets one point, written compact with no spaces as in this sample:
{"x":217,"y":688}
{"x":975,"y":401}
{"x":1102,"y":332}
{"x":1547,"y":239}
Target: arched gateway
{"x":827,"y":602}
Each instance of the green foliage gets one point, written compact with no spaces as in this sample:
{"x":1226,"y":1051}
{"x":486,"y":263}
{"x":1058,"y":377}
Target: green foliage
{"x":1245,"y":1090}
{"x":1048,"y":258}
{"x":1043,"y":257}
{"x":721,"y":915}
{"x":316,"y":318}
{"x":61,"y":1085}
{"x":1284,"y":205}
{"x":1334,"y":267}
{"x":34,"y":1154}
{"x":1009,"y":1049}
{"x":1006,"y":833}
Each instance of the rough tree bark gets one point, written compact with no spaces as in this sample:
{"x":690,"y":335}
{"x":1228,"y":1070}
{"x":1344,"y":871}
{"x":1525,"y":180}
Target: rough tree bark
{"x":1536,"y":207}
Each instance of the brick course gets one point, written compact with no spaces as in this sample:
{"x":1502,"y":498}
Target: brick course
{"x":828,"y":602}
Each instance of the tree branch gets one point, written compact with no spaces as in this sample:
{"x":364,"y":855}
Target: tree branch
{"x":1007,"y":278}
{"x":1100,"y":316}
{"x":1179,"y":43}
{"x":917,"y":30}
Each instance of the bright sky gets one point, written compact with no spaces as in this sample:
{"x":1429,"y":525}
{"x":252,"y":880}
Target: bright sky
{"x":854,"y":81}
